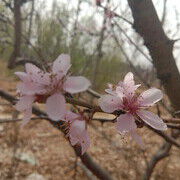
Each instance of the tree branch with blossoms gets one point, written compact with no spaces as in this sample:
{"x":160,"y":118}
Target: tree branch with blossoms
{"x":55,"y":87}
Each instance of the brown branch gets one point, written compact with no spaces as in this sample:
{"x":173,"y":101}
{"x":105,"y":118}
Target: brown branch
{"x":13,"y":100}
{"x":90,"y":164}
{"x":86,"y":158}
{"x":86,"y":105}
{"x":169,"y":125}
{"x":172,"y":120}
{"x":169,"y":139}
{"x":19,"y":119}
{"x":83,"y":104}
{"x":173,"y":126}
{"x":102,"y":120}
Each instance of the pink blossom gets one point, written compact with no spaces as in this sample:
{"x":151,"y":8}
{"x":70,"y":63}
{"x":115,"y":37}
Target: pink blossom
{"x":126,"y":87}
{"x":77,"y":131}
{"x":123,"y":97}
{"x":48,"y":87}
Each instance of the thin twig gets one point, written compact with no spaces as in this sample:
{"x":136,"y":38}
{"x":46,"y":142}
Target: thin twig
{"x":117,"y":15}
{"x":166,"y":137}
{"x":173,"y":126}
{"x":84,"y":104}
{"x":132,"y":42}
{"x":39,"y":112}
{"x":172,"y":120}
{"x":160,"y":154}
{"x":93,"y":93}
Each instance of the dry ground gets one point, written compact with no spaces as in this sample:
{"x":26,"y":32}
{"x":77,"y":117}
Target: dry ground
{"x":38,"y":148}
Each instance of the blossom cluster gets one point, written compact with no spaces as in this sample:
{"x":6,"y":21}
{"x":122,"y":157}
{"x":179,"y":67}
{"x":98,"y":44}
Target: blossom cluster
{"x":50,"y":87}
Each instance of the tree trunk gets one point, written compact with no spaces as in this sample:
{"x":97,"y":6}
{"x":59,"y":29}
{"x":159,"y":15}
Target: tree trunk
{"x":148,"y":25}
{"x":17,"y":34}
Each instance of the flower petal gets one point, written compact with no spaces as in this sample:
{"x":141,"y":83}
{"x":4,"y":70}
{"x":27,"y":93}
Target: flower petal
{"x":78,"y":126}
{"x":120,"y":91}
{"x":30,"y":88}
{"x":85,"y":142}
{"x":70,"y":116}
{"x":152,"y":120}
{"x":127,"y":87}
{"x":111,"y":89}
{"x":61,"y":65}
{"x":111,"y":92}
{"x":37,"y":75}
{"x":31,"y":68}
{"x":83,"y":139}
{"x":75,"y":131}
{"x":129,"y":79}
{"x":150,"y":97}
{"x":22,"y":76}
{"x":25,"y":102}
{"x":137,"y":138}
{"x":125,"y":123}
{"x":79,"y":135}
{"x":73,"y":140}
{"x":109,"y":103}
{"x":27,"y":116}
{"x":76,"y":84}
{"x":56,"y":106}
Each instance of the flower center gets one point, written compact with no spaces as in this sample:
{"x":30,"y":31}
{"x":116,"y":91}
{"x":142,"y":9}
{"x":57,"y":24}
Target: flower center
{"x":41,"y":98}
{"x":130,"y":104}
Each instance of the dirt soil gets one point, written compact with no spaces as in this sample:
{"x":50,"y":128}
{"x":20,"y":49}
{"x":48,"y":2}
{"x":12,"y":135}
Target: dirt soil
{"x":38,"y":151}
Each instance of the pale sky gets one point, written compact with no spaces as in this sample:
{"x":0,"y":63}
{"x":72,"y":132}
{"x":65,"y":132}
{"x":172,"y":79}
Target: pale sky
{"x":170,"y":26}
